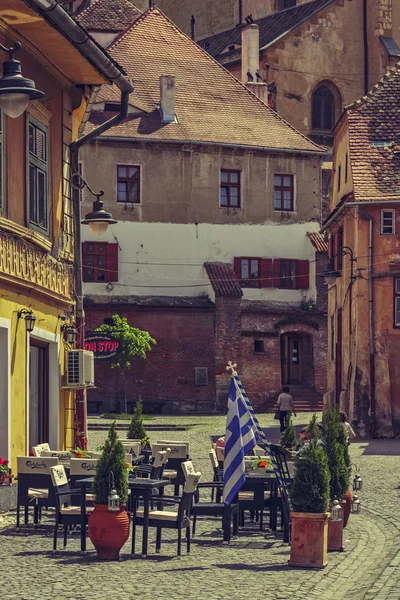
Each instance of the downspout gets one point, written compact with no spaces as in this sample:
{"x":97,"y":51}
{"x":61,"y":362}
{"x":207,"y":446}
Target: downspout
{"x":366,"y":55}
{"x":370,"y":220}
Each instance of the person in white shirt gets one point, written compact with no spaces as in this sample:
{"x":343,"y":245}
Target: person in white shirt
{"x":347,"y":427}
{"x":286,"y":406}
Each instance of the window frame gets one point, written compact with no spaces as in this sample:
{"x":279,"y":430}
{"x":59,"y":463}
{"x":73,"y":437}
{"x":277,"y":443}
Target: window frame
{"x":288,"y":277}
{"x":96,"y":267}
{"x":228,"y":185}
{"x":243,"y":282}
{"x":396,"y":300}
{"x":393,"y":213}
{"x":201,"y":376}
{"x":39,"y":165}
{"x":321,"y":119}
{"x":129,"y":180}
{"x":282,"y":188}
{"x":261,"y":345}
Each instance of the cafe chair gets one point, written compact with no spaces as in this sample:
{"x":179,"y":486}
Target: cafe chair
{"x":37,"y":450}
{"x":132,"y":447}
{"x":220,"y":456}
{"x":165,"y":519}
{"x":157,"y":468}
{"x":67,"y":514}
{"x":173,"y":470}
{"x":80,"y":468}
{"x":63,"y":457}
{"x":218,"y":472}
{"x":228,"y":513}
{"x":34,"y":485}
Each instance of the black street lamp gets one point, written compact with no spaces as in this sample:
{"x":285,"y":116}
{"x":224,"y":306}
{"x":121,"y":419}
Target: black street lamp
{"x":30,"y":319}
{"x":99,"y":219}
{"x":330,"y":274}
{"x":15,"y":90}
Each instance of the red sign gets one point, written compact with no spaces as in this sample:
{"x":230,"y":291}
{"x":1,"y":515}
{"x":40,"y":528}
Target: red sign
{"x":102,"y":345}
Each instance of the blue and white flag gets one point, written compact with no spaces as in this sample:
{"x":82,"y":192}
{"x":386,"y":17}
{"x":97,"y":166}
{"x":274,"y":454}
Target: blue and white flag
{"x":240,"y":438}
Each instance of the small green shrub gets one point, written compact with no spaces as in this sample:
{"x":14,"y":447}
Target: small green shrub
{"x":111,"y":460}
{"x":136,"y":429}
{"x":288,"y":437}
{"x":335,"y":451}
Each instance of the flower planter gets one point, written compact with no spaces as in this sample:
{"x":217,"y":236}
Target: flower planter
{"x":309,"y":544}
{"x":108,"y":530}
{"x":346,"y":507}
{"x":335,"y":535}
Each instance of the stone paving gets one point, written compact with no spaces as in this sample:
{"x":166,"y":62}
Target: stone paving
{"x":254,"y":565}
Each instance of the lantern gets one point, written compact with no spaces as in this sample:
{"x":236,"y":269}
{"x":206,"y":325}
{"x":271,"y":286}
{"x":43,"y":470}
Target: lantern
{"x":113,"y":498}
{"x":355,"y":505}
{"x":357,"y":482}
{"x":336,"y":511}
{"x":30,"y":319}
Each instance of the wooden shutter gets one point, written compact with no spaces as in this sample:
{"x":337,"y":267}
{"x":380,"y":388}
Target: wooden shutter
{"x":303,"y":274}
{"x":331,"y":247}
{"x":84,"y":262}
{"x":112,"y":262}
{"x":277,"y":273}
{"x":266,"y":272}
{"x":237,"y":267}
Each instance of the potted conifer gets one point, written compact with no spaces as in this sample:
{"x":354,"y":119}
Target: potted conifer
{"x":339,"y":482}
{"x":348,"y":496}
{"x":288,"y":438}
{"x":136,"y":429}
{"x":310,"y":497}
{"x":109,"y":522}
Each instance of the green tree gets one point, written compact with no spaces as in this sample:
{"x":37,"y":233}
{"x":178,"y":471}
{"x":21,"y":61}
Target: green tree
{"x":288,"y":437}
{"x":134,"y":341}
{"x":335,"y":451}
{"x":310,"y":488}
{"x":112,"y":461}
{"x":136,"y":429}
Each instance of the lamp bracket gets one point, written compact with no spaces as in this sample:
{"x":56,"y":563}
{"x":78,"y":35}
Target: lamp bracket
{"x":11,"y":51}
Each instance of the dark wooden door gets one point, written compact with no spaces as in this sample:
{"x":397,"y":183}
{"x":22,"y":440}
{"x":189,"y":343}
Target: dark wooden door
{"x":292,"y":359}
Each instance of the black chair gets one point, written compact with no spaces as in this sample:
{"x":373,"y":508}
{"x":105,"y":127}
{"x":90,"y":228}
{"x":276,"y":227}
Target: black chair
{"x":252,"y":498}
{"x":218,"y":473}
{"x":34,"y":485}
{"x":280,"y":455}
{"x":156,"y":469}
{"x":67,"y":515}
{"x":163,"y":519}
{"x":228,"y":513}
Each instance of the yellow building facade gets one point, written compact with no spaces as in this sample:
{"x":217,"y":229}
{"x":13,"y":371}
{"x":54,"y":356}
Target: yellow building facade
{"x":38,"y":274}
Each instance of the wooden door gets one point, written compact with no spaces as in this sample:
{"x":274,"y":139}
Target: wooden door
{"x":292,"y":359}
{"x":38,"y":393}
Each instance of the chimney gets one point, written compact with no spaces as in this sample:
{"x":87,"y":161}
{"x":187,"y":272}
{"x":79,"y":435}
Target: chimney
{"x":250,"y":52}
{"x":167,"y":98}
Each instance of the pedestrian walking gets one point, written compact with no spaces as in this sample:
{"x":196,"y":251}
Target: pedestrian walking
{"x":347,"y":427}
{"x":285,"y":407}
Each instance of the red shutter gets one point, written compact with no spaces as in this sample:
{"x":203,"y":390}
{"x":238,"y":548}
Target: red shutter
{"x":277,"y":273}
{"x":303,"y":274}
{"x":112,"y":262}
{"x":237,"y":267}
{"x":266,"y":272}
{"x":84,"y":262}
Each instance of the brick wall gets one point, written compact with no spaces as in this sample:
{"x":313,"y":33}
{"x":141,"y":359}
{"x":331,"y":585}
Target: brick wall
{"x":321,"y":259}
{"x":227,"y":344}
{"x":165,"y":380}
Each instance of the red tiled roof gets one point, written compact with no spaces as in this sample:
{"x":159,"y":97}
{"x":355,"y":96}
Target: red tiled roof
{"x":109,"y":15}
{"x":211,"y":105}
{"x":318,"y":241}
{"x":374,"y":134}
{"x":223,"y":279}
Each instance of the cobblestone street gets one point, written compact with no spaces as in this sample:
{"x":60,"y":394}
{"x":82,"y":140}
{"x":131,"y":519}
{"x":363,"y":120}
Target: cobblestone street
{"x":253,"y":565}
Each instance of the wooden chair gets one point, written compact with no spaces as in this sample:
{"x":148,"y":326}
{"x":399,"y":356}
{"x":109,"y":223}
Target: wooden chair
{"x":178,"y":519}
{"x":34,"y":485}
{"x":66,"y":513}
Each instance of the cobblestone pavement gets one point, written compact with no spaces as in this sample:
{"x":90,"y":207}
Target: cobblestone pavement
{"x":254,"y":565}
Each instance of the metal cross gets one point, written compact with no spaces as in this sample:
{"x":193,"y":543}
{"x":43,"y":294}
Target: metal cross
{"x":231,"y":366}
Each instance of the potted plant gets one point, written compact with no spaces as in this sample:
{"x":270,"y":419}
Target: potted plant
{"x":348,"y":495}
{"x":310,"y":497}
{"x":259,"y":465}
{"x":339,"y":482}
{"x":79,"y":453}
{"x":288,"y":438}
{"x":109,"y":522}
{"x":136,"y":429}
{"x":4,"y":470}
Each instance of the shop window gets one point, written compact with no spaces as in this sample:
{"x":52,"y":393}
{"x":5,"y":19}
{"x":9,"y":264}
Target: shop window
{"x":397,"y":302}
{"x":37,"y":174}
{"x":258,"y":345}
{"x":388,"y":222}
{"x":284,"y":192}
{"x":99,"y":262}
{"x":201,"y":376}
{"x":128,"y":184}
{"x":229,"y":194}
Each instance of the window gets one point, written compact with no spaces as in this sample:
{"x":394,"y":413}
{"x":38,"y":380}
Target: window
{"x":258,"y":345}
{"x":230,"y":188}
{"x":287,"y":274}
{"x":346,"y":170}
{"x":250,"y":272}
{"x":339,"y":177}
{"x":37,"y":174}
{"x":335,"y":247}
{"x":109,"y":321}
{"x":284,"y":192}
{"x":128,"y":184}
{"x":100,"y":261}
{"x":1,"y":160}
{"x":397,"y":302}
{"x":388,"y":222}
{"x":201,"y":376}
{"x":323,"y":108}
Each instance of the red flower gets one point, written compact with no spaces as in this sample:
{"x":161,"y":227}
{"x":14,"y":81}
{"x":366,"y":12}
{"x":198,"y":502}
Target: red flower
{"x":78,"y":455}
{"x":31,"y":453}
{"x":262,"y":463}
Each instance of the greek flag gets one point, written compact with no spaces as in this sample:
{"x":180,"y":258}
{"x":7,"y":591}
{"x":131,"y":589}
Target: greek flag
{"x":240,"y":438}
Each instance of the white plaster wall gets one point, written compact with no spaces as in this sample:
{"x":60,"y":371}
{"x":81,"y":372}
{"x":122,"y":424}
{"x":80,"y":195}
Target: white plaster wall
{"x":163,"y":259}
{"x":103,"y":38}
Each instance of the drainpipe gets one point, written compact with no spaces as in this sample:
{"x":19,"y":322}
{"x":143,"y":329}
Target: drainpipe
{"x":370,"y":220}
{"x":366,"y":55}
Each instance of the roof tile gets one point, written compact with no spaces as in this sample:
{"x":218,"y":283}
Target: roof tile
{"x":108,"y":15}
{"x":223,"y":279}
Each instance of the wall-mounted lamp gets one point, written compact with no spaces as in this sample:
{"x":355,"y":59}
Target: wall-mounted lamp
{"x":15,"y":90}
{"x":331,"y":274}
{"x":29,"y":319}
{"x":70,"y":334}
{"x":99,"y":219}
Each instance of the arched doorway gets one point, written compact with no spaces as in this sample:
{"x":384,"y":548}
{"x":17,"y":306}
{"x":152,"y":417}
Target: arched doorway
{"x":297,"y":363}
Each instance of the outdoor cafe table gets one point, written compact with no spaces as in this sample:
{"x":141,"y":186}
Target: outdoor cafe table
{"x":266,"y":480}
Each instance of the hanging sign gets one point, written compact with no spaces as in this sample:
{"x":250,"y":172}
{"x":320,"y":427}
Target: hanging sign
{"x":102,"y":345}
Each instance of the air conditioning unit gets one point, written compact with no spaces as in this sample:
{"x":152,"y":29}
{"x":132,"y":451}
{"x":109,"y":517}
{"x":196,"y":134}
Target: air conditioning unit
{"x":80,"y":369}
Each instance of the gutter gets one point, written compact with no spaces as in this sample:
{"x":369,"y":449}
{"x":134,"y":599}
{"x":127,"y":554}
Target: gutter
{"x":112,"y":138}
{"x":327,"y":223}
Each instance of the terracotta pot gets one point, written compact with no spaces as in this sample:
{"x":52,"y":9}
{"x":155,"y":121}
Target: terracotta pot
{"x":346,"y":507}
{"x":335,"y":535}
{"x":108,"y":530}
{"x":309,"y":544}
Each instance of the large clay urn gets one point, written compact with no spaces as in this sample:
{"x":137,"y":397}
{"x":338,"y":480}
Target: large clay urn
{"x":108,"y":530}
{"x":309,"y":543}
